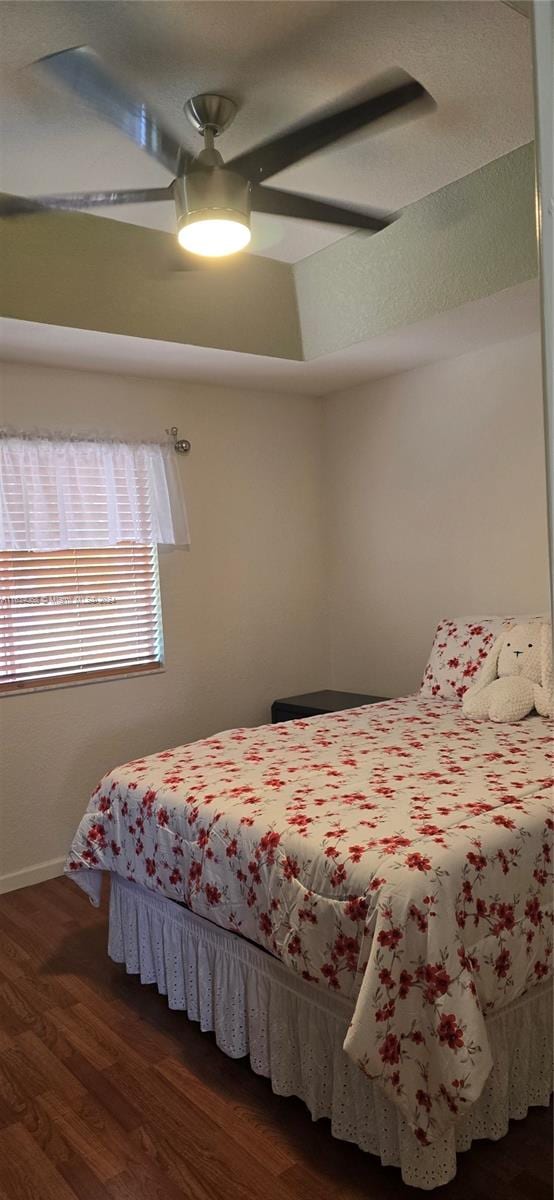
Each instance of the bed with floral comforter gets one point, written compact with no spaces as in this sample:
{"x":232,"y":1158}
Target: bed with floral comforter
{"x":398,"y":853}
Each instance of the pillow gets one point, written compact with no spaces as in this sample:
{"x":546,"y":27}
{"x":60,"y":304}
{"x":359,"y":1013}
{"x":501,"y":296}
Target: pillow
{"x":459,"y":649}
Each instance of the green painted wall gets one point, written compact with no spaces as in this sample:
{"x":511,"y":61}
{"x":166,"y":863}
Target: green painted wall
{"x":94,"y":273}
{"x":470,"y":239}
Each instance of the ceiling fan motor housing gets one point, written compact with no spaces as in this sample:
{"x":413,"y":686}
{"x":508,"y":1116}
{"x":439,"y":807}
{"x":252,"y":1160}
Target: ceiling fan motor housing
{"x":207,"y":192}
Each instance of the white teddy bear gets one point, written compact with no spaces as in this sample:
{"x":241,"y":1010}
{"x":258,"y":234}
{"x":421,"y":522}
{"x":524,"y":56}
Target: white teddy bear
{"x":516,"y":676}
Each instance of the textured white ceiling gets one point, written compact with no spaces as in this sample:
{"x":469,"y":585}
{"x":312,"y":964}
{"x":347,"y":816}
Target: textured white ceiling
{"x":281,"y":60}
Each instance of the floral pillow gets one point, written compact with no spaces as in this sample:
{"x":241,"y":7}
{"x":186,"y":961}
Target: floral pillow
{"x":458,"y":652}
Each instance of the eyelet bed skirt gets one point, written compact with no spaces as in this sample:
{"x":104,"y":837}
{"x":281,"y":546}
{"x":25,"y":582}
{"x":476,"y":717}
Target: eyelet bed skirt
{"x":293,"y":1033}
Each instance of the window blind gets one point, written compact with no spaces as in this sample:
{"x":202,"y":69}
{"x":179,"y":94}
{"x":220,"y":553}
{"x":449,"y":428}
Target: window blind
{"x":78,"y":614}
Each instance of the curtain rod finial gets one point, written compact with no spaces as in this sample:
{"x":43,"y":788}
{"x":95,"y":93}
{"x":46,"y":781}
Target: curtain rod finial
{"x":181,"y":445}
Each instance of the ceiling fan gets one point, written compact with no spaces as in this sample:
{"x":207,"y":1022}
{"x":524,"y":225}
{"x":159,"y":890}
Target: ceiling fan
{"x":213,"y":200}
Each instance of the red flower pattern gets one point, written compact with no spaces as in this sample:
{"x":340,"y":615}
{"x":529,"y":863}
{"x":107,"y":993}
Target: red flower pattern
{"x":459,"y":650}
{"x":449,"y":1031}
{"x":399,"y":854}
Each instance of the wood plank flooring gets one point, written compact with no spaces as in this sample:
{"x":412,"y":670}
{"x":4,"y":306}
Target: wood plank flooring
{"x":107,"y":1095}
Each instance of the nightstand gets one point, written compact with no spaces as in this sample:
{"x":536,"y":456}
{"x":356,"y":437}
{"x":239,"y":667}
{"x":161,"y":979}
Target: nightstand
{"x":315,"y":704}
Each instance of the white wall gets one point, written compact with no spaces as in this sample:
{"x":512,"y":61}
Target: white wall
{"x":242,"y":611}
{"x":435,"y":505}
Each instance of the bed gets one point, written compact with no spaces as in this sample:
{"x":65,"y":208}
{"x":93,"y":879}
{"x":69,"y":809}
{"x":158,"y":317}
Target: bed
{"x":361,"y":902}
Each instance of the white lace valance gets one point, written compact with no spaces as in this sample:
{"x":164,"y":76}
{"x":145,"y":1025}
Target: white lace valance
{"x":68,"y":494}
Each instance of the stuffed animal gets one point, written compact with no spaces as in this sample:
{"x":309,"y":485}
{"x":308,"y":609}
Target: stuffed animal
{"x":516,"y":677}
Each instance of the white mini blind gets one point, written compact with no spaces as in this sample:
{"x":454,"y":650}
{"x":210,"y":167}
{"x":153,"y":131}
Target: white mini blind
{"x":78,"y":614}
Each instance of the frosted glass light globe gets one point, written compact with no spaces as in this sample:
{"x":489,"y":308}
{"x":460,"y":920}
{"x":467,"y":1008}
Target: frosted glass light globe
{"x":214,"y":237}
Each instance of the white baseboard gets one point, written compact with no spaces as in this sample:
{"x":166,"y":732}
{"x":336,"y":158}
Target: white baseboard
{"x":30,"y":875}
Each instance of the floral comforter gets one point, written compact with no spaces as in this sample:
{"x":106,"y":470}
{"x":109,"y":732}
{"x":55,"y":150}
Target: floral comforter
{"x":398,"y":853}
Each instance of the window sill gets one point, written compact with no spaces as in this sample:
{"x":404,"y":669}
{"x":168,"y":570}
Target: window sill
{"x":16,"y":689}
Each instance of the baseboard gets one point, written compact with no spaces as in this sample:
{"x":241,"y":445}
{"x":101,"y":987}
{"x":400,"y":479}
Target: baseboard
{"x":30,"y":875}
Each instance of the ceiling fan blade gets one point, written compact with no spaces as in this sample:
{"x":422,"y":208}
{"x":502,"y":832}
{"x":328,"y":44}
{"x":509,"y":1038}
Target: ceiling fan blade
{"x":309,"y":208}
{"x":15,"y":206}
{"x":155,"y":261}
{"x":81,"y":70}
{"x":289,"y":147}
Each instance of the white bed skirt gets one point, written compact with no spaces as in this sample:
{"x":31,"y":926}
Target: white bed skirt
{"x":293,"y":1033}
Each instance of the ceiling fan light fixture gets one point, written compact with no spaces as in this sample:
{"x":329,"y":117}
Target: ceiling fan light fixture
{"x":214,"y":234}
{"x":213,"y":201}
{"x":213,"y":212}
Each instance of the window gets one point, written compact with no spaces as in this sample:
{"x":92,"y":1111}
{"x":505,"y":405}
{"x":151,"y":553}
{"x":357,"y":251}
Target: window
{"x":80,"y":522}
{"x":70,"y":615}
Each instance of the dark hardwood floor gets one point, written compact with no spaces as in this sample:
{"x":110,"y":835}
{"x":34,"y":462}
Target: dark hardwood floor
{"x":107,"y":1095}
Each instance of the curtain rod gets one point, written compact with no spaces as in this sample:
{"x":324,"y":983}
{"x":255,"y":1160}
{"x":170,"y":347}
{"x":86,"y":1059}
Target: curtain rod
{"x":180,"y":445}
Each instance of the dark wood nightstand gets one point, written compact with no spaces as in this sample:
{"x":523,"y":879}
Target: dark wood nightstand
{"x":315,"y":704}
